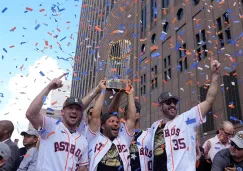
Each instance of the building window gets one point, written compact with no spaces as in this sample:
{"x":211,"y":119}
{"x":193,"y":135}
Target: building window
{"x":143,"y":85}
{"x":232,"y":98}
{"x":153,"y":39}
{"x":209,"y":125}
{"x":166,"y":27}
{"x":195,"y":2}
{"x":143,"y":48}
{"x":154,"y":76}
{"x":180,"y":14}
{"x":183,"y":58}
{"x":165,"y":3}
{"x":223,"y":31}
{"x":201,"y":46}
{"x":167,"y":68}
{"x":154,"y":10}
{"x":143,"y":19}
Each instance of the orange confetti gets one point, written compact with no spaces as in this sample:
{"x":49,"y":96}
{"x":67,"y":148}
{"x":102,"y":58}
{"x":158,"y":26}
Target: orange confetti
{"x":46,"y":42}
{"x":121,"y":110}
{"x":58,"y":30}
{"x":13,"y":29}
{"x":152,"y":48}
{"x":68,"y":22}
{"x":142,"y":40}
{"x":36,"y":44}
{"x":29,"y":9}
{"x":155,"y":104}
{"x":53,"y":103}
{"x":231,"y":59}
{"x":27,"y":155}
{"x":42,"y":10}
{"x":164,"y":81}
{"x":113,"y":69}
{"x":49,"y":33}
{"x":12,"y":46}
{"x":98,"y":28}
{"x":121,"y":8}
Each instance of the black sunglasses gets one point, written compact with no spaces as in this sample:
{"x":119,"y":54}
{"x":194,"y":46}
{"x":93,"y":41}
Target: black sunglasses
{"x":169,"y":101}
{"x":235,"y":146}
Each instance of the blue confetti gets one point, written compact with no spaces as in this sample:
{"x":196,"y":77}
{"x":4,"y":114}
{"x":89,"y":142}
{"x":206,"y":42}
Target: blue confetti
{"x":115,"y":113}
{"x":103,"y":91}
{"x":50,"y":109}
{"x":63,"y":39}
{"x":5,"y":50}
{"x":163,"y":35}
{"x":190,"y":121}
{"x":26,"y":59}
{"x":138,"y":143}
{"x":59,"y":120}
{"x":42,"y":131}
{"x":22,"y":43}
{"x":36,"y":27}
{"x":5,"y":9}
{"x":76,"y":79}
{"x":41,"y":73}
{"x":90,"y":151}
{"x":1,"y":95}
{"x":157,"y":54}
{"x":44,"y":99}
{"x":120,"y":167}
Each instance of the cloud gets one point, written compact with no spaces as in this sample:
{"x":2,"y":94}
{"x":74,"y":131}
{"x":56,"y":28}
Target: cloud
{"x":24,"y":88}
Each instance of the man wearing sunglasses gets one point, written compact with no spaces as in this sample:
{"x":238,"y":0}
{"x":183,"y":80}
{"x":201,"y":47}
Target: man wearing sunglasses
{"x":174,"y":137}
{"x":230,"y":159}
{"x":220,"y":141}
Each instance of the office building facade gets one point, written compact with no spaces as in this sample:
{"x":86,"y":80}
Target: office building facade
{"x":171,"y":44}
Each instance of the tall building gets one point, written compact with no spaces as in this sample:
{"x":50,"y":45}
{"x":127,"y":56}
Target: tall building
{"x":171,"y":42}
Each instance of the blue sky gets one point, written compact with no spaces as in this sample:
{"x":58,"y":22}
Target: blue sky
{"x":26,"y":54}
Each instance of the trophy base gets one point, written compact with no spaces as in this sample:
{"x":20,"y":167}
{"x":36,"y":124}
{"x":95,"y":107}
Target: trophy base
{"x":116,"y":85}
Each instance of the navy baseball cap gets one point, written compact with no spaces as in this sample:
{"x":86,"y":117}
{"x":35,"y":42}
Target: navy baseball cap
{"x":71,"y":101}
{"x":106,"y":116}
{"x":166,"y":96}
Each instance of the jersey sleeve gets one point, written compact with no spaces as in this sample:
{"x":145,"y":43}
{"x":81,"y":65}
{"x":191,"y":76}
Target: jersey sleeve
{"x":84,"y":159}
{"x":85,"y":130}
{"x":194,"y":117}
{"x":48,"y":126}
{"x":124,"y":134}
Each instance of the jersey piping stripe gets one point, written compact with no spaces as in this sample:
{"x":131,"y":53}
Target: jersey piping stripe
{"x":123,"y":155}
{"x":91,"y":131}
{"x":74,"y":152}
{"x":142,"y":146}
{"x":68,"y":151}
{"x":127,"y":130}
{"x":171,"y":151}
{"x":101,"y":148}
{"x":199,"y":113}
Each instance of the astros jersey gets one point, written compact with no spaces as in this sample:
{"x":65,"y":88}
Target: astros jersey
{"x":144,"y":148}
{"x":180,"y":140}
{"x":59,"y":149}
{"x":100,"y":145}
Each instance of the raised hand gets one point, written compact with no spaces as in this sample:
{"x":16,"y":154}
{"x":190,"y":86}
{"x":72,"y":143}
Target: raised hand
{"x":215,"y":65}
{"x":56,"y":83}
{"x":129,"y":89}
{"x":101,"y":86}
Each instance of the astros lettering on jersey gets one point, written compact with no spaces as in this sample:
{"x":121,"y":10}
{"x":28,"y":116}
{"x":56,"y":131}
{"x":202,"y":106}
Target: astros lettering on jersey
{"x":59,"y":149}
{"x":100,"y":145}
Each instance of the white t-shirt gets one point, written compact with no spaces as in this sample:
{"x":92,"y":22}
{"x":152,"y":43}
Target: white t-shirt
{"x":59,"y":149}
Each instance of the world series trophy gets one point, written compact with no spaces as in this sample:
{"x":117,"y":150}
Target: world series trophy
{"x":117,"y":64}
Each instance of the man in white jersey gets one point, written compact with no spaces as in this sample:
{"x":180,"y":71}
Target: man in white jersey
{"x":61,"y":146}
{"x":140,"y":149}
{"x":177,"y":138}
{"x":109,"y":148}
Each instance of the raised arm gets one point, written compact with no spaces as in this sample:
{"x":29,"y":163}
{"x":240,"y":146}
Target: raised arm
{"x":115,"y":103}
{"x":33,"y":112}
{"x":131,"y":111}
{"x":95,"y":119}
{"x":213,"y":89}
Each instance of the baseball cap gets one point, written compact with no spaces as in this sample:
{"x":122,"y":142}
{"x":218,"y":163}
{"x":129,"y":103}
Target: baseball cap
{"x":106,"y":116}
{"x":4,"y":151}
{"x":30,"y":132}
{"x":238,"y":139}
{"x":72,"y":100}
{"x":166,"y":96}
{"x":137,"y":104}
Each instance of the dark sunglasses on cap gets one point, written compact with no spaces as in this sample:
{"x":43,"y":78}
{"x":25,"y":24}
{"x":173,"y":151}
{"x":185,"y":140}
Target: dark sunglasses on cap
{"x":235,"y":146}
{"x":169,"y":101}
